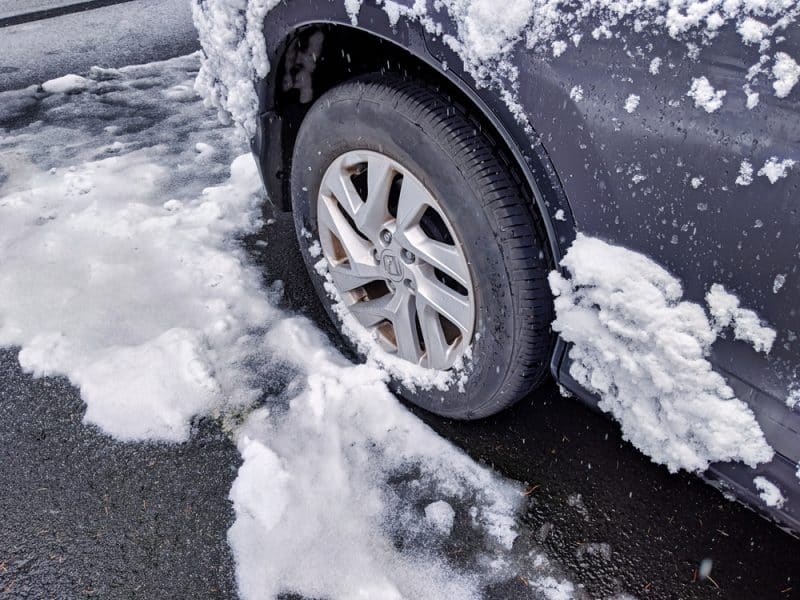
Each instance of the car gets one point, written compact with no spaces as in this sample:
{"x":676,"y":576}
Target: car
{"x":601,"y":194}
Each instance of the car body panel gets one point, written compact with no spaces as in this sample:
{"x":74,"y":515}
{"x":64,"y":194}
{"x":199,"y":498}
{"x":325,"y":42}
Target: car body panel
{"x":626,"y":178}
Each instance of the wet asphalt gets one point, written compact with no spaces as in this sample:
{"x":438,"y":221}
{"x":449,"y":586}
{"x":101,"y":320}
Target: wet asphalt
{"x":84,"y":516}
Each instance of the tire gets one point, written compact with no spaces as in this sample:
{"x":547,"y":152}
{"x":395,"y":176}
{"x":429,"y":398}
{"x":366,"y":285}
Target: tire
{"x":496,"y":226}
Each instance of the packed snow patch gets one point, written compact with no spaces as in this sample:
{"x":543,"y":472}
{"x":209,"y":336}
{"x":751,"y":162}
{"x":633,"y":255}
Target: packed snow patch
{"x":769,"y":492}
{"x":133,"y":292}
{"x":643,"y":350}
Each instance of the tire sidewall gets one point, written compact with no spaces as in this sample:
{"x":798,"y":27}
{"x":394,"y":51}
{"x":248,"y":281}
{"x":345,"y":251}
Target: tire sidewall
{"x":339,"y":123}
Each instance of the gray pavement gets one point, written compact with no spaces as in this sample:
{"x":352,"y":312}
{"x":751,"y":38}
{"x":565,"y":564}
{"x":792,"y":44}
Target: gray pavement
{"x":133,"y":32}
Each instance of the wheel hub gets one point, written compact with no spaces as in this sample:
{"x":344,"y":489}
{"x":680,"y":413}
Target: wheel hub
{"x":395,"y":259}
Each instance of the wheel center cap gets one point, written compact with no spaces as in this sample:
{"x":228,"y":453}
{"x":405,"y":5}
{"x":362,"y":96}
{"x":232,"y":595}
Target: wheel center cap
{"x":391,"y":266}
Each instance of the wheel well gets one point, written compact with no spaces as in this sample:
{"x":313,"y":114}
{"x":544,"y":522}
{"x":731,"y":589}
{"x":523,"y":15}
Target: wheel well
{"x":316,"y":58}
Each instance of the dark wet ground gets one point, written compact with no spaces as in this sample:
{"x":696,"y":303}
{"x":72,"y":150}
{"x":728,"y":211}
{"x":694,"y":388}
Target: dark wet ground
{"x":86,"y":517}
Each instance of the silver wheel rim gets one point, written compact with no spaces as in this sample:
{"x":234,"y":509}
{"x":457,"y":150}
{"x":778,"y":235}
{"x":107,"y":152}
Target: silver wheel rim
{"x":395,"y":260}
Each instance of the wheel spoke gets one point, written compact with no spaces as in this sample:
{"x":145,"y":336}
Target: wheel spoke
{"x":405,"y":329}
{"x":444,"y":257}
{"x":436,"y":346}
{"x":373,"y":214}
{"x":339,"y":185}
{"x":371,"y":312}
{"x":329,"y":216}
{"x":348,"y":278}
{"x":412,"y":203}
{"x":447,"y":302}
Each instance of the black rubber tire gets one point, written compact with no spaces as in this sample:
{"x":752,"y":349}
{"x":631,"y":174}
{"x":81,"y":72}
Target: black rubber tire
{"x":501,"y":233}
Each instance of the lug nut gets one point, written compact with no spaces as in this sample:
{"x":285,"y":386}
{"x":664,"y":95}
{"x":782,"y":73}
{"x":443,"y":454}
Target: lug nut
{"x":386,"y":236}
{"x":375,"y":256}
{"x":407,"y":256}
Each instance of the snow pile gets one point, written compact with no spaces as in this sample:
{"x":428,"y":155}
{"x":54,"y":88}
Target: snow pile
{"x":123,"y":269}
{"x":136,"y":296}
{"x":333,"y":475}
{"x":644,"y":351}
{"x":73,"y":245}
{"x":769,"y":492}
{"x":441,"y":516}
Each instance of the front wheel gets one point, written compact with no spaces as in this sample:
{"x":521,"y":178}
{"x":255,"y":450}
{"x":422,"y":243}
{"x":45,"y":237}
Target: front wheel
{"x":431,"y":245}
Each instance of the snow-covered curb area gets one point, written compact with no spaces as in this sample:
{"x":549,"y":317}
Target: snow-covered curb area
{"x":123,"y":205}
{"x":644,"y":350}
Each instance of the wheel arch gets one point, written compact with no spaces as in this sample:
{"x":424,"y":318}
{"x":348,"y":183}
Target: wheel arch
{"x":356,"y":53}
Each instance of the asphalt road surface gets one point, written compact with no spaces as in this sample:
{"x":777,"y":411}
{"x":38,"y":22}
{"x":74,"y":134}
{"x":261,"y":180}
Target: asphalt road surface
{"x":86,"y":516}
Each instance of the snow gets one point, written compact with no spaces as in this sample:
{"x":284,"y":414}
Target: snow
{"x":697,"y":181}
{"x":726,"y":312}
{"x":559,"y":216}
{"x":769,"y":492}
{"x":775,"y":169}
{"x":631,"y":102}
{"x":66,"y":84}
{"x":124,"y":270}
{"x":576,"y":93}
{"x":786,"y":72}
{"x":793,"y":399}
{"x":333,"y":473}
{"x":752,"y":30}
{"x":752,"y":97}
{"x":643,"y":350}
{"x":441,"y":516}
{"x":655,"y":66}
{"x":409,"y":375}
{"x":559,"y":47}
{"x":704,"y":94}
{"x":778,"y":282}
{"x":78,"y":239}
{"x":745,"y":176}
{"x":235,"y":56}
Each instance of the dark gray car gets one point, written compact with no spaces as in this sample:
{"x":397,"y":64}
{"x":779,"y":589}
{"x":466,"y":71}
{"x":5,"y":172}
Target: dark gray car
{"x":443,"y":158}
